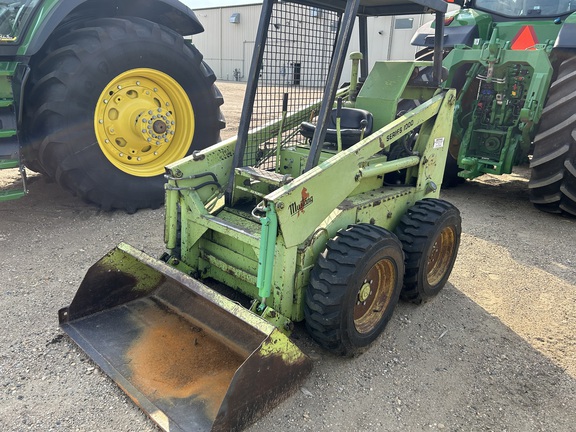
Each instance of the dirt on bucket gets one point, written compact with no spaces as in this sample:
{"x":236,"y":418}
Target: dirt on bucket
{"x":175,"y":358}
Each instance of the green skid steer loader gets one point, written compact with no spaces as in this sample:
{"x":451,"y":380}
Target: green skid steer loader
{"x":513,"y":63}
{"x":306,"y":216}
{"x":101,"y":95}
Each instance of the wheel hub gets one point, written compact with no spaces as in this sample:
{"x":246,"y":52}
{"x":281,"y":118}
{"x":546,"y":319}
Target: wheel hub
{"x":144,"y":121}
{"x":160,"y":127}
{"x":365,"y":292}
{"x":156,"y":127}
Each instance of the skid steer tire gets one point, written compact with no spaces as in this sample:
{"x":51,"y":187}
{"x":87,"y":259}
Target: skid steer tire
{"x":430,"y":234}
{"x":553,"y":179}
{"x":113,"y":101}
{"x":354,"y":288}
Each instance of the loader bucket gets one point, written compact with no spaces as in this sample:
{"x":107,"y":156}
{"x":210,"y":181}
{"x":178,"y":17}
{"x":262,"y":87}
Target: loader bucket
{"x":192,"y":359}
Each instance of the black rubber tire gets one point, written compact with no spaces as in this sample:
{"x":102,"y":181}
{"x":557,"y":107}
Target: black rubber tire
{"x":337,"y":281}
{"x":30,"y":158}
{"x":552,"y":182}
{"x":67,"y":81}
{"x":420,"y":230}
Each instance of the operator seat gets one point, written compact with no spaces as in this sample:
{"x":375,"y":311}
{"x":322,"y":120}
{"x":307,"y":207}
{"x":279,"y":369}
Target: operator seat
{"x":352,"y":122}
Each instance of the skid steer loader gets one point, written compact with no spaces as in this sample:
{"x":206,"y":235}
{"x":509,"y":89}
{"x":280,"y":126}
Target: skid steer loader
{"x":306,"y":216}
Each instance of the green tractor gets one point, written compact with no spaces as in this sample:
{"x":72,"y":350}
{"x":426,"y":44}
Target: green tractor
{"x":296,"y":219}
{"x":513,"y":63}
{"x":100,"y":95}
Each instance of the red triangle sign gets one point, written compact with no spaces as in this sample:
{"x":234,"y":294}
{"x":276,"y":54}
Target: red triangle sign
{"x":525,"y":39}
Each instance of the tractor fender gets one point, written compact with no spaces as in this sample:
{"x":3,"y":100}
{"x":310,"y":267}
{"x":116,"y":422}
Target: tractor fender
{"x":566,"y":38}
{"x":460,"y":35}
{"x":461,"y":27}
{"x":170,"y":13}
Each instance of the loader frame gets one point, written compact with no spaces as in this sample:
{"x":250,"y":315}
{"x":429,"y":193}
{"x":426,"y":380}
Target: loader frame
{"x":268,"y":251}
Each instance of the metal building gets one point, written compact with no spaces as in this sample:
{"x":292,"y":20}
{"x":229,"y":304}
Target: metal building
{"x":230,"y":29}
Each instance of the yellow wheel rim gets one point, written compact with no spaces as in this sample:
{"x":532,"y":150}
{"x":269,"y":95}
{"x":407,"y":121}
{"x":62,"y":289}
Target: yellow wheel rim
{"x":143,"y":122}
{"x":374,"y":296}
{"x":441,"y":255}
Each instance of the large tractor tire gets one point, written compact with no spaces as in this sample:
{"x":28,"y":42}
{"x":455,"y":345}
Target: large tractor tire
{"x":553,"y":179}
{"x":354,"y":288}
{"x":430,"y":234}
{"x":112,"y":102}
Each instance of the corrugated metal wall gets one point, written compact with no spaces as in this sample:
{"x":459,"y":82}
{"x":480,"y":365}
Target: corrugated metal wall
{"x":227,"y":47}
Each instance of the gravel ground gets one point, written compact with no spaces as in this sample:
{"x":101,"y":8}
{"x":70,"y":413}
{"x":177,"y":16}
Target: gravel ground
{"x":493,"y":352}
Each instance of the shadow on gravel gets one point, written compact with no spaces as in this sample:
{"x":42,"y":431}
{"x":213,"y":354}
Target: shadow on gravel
{"x":498,"y":210}
{"x":447,"y":364}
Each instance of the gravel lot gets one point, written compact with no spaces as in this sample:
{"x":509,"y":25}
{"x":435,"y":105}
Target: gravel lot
{"x":495,"y":351}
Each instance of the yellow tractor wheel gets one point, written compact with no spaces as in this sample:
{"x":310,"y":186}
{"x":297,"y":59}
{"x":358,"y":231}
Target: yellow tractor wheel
{"x":111,"y":102}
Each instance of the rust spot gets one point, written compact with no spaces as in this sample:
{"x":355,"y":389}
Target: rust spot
{"x":173,"y":358}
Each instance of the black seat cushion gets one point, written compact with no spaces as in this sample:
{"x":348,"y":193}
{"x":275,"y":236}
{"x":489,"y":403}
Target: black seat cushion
{"x":350,"y":126}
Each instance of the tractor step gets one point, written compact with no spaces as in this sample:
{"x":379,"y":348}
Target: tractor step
{"x":13,"y":193}
{"x":269,"y":177}
{"x":230,"y":223}
{"x":258,"y":182}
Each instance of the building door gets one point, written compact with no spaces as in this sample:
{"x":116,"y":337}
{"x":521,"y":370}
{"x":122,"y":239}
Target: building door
{"x":403,"y":29}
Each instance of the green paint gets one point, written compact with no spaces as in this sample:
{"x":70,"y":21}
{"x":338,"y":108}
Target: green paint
{"x":279,"y":345}
{"x":267,"y":247}
{"x":495,"y":125}
{"x":122,"y":259}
